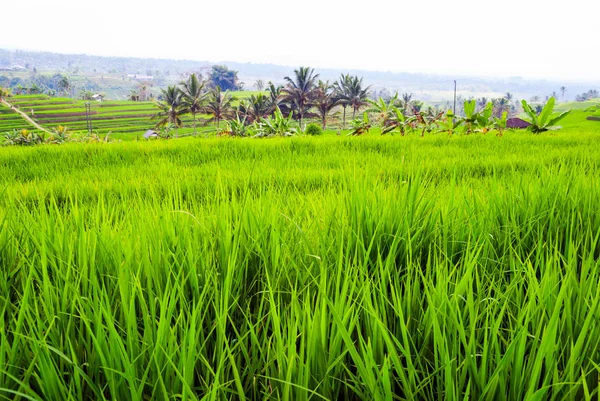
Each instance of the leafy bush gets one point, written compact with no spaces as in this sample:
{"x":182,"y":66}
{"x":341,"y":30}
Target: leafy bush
{"x":313,"y":129}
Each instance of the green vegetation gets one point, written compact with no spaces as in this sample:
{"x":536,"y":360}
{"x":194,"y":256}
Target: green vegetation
{"x":371,"y":268}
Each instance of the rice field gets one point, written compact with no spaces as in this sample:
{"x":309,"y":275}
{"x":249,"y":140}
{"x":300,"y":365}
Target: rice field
{"x":327,"y":268}
{"x":125,"y":120}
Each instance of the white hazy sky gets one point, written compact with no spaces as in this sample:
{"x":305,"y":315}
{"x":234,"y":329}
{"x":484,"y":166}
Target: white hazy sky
{"x":529,"y":38}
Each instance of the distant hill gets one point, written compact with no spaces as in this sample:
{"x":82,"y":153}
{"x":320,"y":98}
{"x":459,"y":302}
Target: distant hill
{"x":118,"y":75}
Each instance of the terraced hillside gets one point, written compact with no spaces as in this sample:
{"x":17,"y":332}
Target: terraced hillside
{"x":124,"y":119}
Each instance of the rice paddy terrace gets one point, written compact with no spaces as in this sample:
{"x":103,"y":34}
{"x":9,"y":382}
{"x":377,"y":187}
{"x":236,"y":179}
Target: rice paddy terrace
{"x":123,"y":119}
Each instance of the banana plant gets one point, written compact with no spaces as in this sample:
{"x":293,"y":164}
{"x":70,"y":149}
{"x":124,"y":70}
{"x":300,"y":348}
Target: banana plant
{"x":449,"y":124}
{"x":500,"y":123}
{"x":275,"y":125}
{"x":470,"y":118}
{"x":484,"y":120}
{"x":545,"y":121}
{"x":235,"y":127}
{"x":399,"y":122}
{"x":360,"y":127}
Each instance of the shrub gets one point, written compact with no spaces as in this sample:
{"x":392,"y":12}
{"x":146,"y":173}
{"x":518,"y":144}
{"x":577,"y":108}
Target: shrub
{"x":313,"y":129}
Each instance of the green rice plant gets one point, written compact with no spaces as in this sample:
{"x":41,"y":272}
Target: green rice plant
{"x":322,"y":268}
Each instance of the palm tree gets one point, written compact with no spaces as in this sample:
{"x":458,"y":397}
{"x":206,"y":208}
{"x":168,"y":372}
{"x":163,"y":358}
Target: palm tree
{"x":171,"y":108}
{"x":482,"y":102}
{"x":219,"y":105}
{"x":563,"y":89}
{"x":342,"y":95}
{"x":300,"y":91}
{"x":406,"y":98}
{"x":357,"y":94}
{"x":193,"y":96}
{"x":259,"y":85}
{"x":509,"y":97}
{"x":257,"y":107}
{"x":325,"y":101}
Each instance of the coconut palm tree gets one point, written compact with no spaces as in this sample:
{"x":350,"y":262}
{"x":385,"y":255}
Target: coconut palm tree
{"x":257,"y":107}
{"x":325,"y":101}
{"x":219,"y":105}
{"x":193,"y":96}
{"x":406,"y":99}
{"x":357,"y":94}
{"x":563,"y":89}
{"x":299,"y":91}
{"x":340,"y":88}
{"x":171,"y":108}
{"x":259,"y":85}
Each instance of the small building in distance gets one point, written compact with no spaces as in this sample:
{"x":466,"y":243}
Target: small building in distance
{"x":516,"y":122}
{"x":98,"y":97}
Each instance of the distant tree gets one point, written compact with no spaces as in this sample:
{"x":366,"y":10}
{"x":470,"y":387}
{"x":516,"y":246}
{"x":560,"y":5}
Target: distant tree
{"x":482,"y":102}
{"x":299,"y":91}
{"x":259,"y":85}
{"x":219,"y":105}
{"x":535,"y":99}
{"x":563,"y":89}
{"x":340,"y":88}
{"x":193,"y":96}
{"x":64,"y":85}
{"x":257,"y":107}
{"x":406,"y":98}
{"x":325,"y":101}
{"x":4,"y":93}
{"x":171,"y":108}
{"x":358,"y":94}
{"x":224,"y":78}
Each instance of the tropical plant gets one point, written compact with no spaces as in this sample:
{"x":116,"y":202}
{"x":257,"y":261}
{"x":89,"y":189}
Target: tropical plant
{"x":340,"y":88}
{"x":219,"y":105}
{"x":357,"y":94}
{"x":235,"y":127}
{"x":59,"y":135}
{"x":193,"y":96}
{"x":23,"y":138}
{"x":563,"y":89}
{"x":500,"y":123}
{"x":259,"y":85}
{"x":257,"y":107}
{"x":324,"y":102}
{"x":546,"y":120}
{"x":300,"y":91}
{"x":406,"y":99}
{"x":360,"y":126}
{"x":449,"y":124}
{"x":385,"y":110}
{"x":427,"y":121}
{"x":484,"y":120}
{"x":398,"y":121}
{"x":171,"y":108}
{"x":275,"y":125}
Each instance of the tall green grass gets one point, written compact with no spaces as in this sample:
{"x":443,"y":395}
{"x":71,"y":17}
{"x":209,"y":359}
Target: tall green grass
{"x":312,"y":268}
